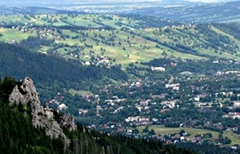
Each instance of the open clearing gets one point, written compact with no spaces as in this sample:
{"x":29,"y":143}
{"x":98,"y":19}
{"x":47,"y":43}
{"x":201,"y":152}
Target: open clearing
{"x":192,"y":131}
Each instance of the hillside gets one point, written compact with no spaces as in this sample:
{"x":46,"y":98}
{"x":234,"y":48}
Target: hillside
{"x":115,"y":73}
{"x":54,"y":74}
{"x":19,"y":135}
{"x":119,"y":40}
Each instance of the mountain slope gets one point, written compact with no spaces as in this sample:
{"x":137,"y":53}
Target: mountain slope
{"x":53,"y":71}
{"x":134,"y":38}
{"x":19,"y":135}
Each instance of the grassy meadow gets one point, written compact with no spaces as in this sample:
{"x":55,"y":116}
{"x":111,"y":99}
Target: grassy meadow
{"x":130,"y":39}
{"x":192,"y":131}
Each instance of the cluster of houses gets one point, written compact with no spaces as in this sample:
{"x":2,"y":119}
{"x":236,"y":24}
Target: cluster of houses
{"x":180,"y":137}
{"x":44,"y":32}
{"x":49,"y":33}
{"x":25,"y":29}
{"x":138,"y":120}
{"x":144,"y":106}
{"x":98,"y":61}
{"x":187,"y":138}
{"x":154,"y":108}
{"x":57,"y":101}
{"x":233,"y":115}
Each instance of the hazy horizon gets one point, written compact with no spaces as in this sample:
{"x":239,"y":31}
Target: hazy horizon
{"x":62,"y":3}
{"x":99,"y":1}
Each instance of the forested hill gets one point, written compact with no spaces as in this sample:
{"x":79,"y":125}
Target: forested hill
{"x":18,"y":135}
{"x":51,"y":70}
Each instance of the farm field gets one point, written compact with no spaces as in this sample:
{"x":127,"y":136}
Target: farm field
{"x":10,"y":35}
{"x":162,"y":130}
{"x":121,"y":39}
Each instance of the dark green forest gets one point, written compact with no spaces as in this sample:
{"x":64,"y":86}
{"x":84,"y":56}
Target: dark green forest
{"x":17,"y":61}
{"x":17,"y":134}
{"x":53,"y":73}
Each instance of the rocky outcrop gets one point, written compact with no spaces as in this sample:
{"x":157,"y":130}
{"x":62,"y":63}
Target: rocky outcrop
{"x":24,"y":93}
{"x":68,"y":121}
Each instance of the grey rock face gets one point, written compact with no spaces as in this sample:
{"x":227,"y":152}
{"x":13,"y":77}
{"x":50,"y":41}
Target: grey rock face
{"x":25,"y":93}
{"x":68,"y":121}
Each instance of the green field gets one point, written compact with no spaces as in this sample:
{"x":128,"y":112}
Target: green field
{"x":192,"y":131}
{"x":13,"y":35}
{"x":78,"y":92}
{"x":125,"y":43}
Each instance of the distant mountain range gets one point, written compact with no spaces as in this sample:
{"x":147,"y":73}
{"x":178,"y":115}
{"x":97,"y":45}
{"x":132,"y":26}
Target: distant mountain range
{"x":69,"y":2}
{"x":195,"y":13}
{"x":190,"y":11}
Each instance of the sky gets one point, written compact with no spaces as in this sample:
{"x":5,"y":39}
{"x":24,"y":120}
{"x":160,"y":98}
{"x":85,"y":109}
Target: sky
{"x":210,"y":1}
{"x":111,"y":0}
{"x":16,"y":2}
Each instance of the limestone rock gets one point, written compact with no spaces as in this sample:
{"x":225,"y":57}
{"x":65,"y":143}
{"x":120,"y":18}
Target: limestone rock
{"x":24,"y":93}
{"x":68,"y":121}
